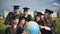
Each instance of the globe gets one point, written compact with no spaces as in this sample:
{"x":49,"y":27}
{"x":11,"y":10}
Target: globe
{"x":32,"y":27}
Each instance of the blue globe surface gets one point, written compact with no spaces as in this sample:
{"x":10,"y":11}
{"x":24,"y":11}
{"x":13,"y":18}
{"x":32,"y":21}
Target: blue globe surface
{"x":32,"y":27}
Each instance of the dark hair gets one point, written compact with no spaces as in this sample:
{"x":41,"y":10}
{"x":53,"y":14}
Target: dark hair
{"x":39,"y":20}
{"x":48,"y":23}
{"x":36,"y":16}
{"x":22,"y":18}
{"x":15,"y":17}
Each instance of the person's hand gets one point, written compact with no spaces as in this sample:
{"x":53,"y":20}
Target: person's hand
{"x":47,"y":28}
{"x":42,"y":27}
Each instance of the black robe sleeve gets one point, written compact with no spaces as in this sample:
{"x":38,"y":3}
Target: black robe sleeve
{"x":7,"y":20}
{"x":7,"y":31}
{"x":20,"y":30}
{"x":53,"y":27}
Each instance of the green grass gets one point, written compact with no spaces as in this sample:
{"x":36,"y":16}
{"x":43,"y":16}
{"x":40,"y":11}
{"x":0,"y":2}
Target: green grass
{"x":3,"y":27}
{"x":58,"y":25}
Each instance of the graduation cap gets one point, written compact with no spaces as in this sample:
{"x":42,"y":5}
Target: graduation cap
{"x":39,"y":14}
{"x":26,"y":8}
{"x":48,"y":11}
{"x":16,"y":7}
{"x":15,"y":17}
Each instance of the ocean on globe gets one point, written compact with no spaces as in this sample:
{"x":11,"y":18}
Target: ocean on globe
{"x":32,"y":27}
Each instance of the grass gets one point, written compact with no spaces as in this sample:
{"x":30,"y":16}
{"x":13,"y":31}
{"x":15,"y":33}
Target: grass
{"x":57,"y":25}
{"x":3,"y":27}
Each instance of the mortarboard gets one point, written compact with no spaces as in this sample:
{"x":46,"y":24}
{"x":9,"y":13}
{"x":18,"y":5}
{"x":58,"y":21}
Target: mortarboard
{"x":48,"y":11}
{"x":39,"y":14}
{"x":16,"y":7}
{"x":26,"y":8}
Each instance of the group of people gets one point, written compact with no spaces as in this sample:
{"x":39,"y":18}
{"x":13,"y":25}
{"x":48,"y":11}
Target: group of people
{"x":15,"y":21}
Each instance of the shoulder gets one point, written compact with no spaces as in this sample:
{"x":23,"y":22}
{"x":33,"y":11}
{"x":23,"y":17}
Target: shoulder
{"x":10,"y":13}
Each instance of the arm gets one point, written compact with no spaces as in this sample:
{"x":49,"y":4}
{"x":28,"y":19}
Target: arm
{"x":54,"y":25}
{"x":45,"y":27}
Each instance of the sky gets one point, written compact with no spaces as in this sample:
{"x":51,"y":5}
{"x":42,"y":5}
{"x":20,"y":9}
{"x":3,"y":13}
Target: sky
{"x":38,"y":5}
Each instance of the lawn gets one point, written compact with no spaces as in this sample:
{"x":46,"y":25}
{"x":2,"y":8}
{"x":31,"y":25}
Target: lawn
{"x":3,"y":27}
{"x":57,"y":25}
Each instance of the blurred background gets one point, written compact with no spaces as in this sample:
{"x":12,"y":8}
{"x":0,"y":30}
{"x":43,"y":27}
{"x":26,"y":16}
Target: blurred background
{"x":6,"y":6}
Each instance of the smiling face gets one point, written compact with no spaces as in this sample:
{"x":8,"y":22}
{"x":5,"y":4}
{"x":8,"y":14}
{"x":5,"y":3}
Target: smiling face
{"x":46,"y":16}
{"x":38,"y":18}
{"x":22,"y":22}
{"x":15,"y":21}
{"x":25,"y":12}
{"x":16,"y":11}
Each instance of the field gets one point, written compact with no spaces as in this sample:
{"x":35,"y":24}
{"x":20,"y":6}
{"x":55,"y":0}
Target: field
{"x":3,"y":27}
{"x":58,"y":25}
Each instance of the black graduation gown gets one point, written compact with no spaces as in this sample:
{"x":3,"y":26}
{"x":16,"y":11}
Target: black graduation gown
{"x":8,"y":18}
{"x":41,"y":23}
{"x":44,"y":31}
{"x":8,"y":31}
{"x":53,"y":27}
{"x":20,"y":30}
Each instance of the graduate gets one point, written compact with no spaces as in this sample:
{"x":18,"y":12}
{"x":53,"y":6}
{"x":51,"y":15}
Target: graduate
{"x":47,"y":22}
{"x":10,"y":14}
{"x":13,"y":28}
{"x":38,"y":18}
{"x":26,"y":15}
{"x":21,"y":25}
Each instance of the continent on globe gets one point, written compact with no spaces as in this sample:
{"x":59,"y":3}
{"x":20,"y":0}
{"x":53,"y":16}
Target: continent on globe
{"x":32,"y":27}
